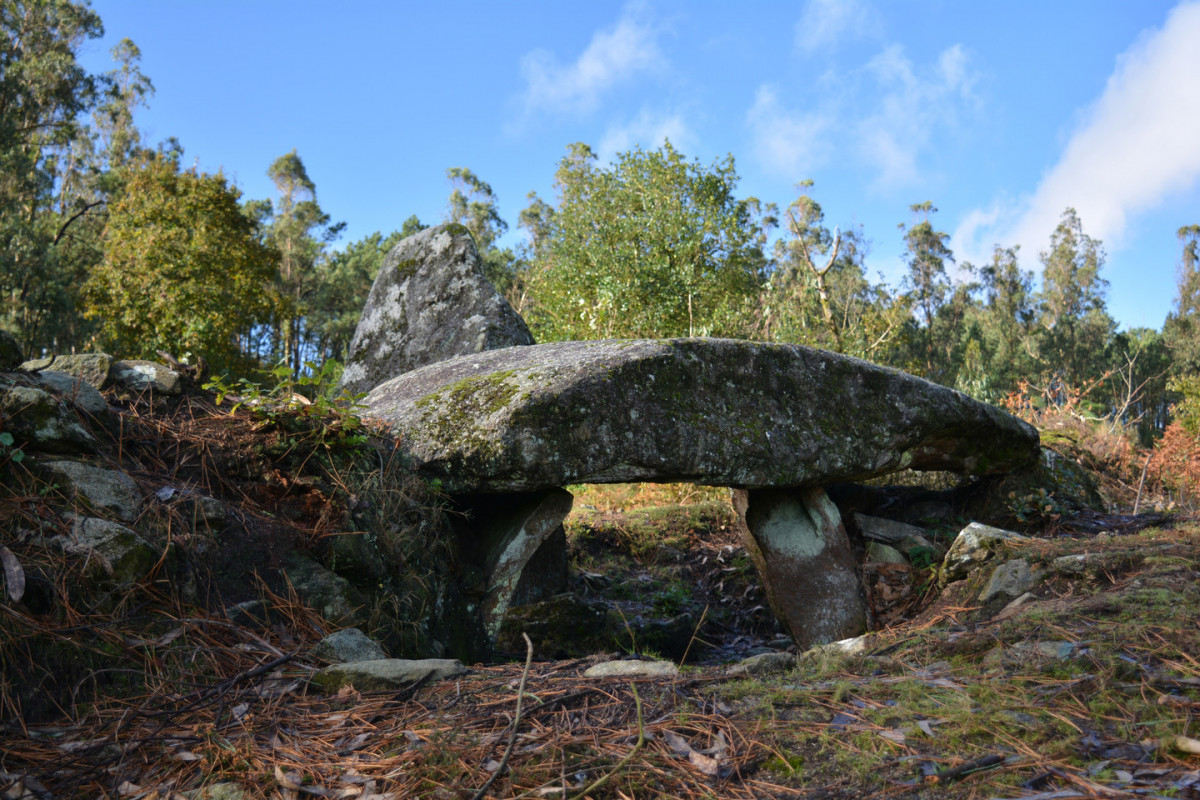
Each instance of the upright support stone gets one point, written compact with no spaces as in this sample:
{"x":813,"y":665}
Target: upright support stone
{"x":516,"y":542}
{"x":797,"y":541}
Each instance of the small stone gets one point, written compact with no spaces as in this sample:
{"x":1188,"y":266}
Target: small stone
{"x":1076,"y":563}
{"x":347,"y":646}
{"x":386,"y":673}
{"x":843,"y":647}
{"x":1010,"y":579}
{"x":104,"y":489}
{"x":878,"y":553}
{"x":763,"y":664}
{"x":631,"y":669}
{"x":139,"y":376}
{"x":225,"y":790}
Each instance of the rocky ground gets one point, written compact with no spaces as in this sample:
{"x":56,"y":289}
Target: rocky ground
{"x":1089,"y":687}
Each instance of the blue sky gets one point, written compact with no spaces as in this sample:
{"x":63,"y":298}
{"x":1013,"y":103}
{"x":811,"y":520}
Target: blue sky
{"x":1000,"y":113}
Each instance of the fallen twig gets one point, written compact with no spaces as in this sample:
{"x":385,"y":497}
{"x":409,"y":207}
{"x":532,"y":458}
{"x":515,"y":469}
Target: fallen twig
{"x":512,"y":737}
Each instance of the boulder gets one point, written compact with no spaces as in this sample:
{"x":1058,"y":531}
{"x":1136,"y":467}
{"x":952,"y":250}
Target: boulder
{"x":799,"y":545}
{"x":79,"y":392}
{"x":712,"y":411}
{"x":975,"y":545}
{"x":38,"y":418}
{"x":111,"y":551}
{"x":887,"y":531}
{"x":141,"y":376}
{"x":10,"y":351}
{"x":429,"y":302}
{"x":507,"y":538}
{"x":91,"y":368}
{"x":326,"y":592}
{"x":107,"y":490}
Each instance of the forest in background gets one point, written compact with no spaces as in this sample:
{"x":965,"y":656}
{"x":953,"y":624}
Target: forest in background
{"x":108,"y":242}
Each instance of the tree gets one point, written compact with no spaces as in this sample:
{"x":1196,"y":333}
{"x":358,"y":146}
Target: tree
{"x":1182,"y":328}
{"x":927,"y":254}
{"x":43,"y":93}
{"x":184,"y":269}
{"x":652,"y":246}
{"x":1075,"y":325}
{"x":818,"y":293}
{"x":1007,"y":320}
{"x":300,"y":231}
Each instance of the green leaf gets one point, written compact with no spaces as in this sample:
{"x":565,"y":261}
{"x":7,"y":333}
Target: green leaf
{"x":6,"y":439}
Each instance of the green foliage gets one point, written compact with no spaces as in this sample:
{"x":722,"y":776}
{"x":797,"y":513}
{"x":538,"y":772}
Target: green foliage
{"x":1187,"y":410}
{"x":832,"y":305}
{"x":928,"y":283}
{"x":472,"y":204}
{"x":183,"y":270}
{"x":651,"y":246}
{"x":292,"y":401}
{"x":9,"y":453}
{"x":1074,"y":322}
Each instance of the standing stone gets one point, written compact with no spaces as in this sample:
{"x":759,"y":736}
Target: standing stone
{"x":516,"y":542}
{"x":429,"y":302}
{"x":797,"y":541}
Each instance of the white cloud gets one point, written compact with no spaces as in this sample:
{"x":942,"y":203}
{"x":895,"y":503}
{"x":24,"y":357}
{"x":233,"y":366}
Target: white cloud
{"x":1137,"y":144}
{"x":786,"y":141}
{"x":615,"y":55}
{"x":827,"y":23}
{"x":915,"y":104}
{"x":647,"y":130}
{"x":892,"y":123}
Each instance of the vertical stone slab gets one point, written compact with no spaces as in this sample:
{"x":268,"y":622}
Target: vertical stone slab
{"x":517,"y":544}
{"x":797,"y":541}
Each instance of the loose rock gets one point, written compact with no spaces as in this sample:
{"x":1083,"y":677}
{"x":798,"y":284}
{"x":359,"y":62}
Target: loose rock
{"x":975,"y":545}
{"x":348,"y":646}
{"x":104,"y":489}
{"x":386,"y":673}
{"x":631,"y":669}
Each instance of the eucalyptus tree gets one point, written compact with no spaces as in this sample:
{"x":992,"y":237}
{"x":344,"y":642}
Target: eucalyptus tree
{"x":1073,"y":319}
{"x":818,"y":292}
{"x":44,"y":92}
{"x":1182,"y":328}
{"x":927,"y":253}
{"x":301,"y":231}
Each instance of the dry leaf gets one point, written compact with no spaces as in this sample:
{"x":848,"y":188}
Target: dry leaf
{"x":1186,"y":744}
{"x":894,"y":735}
{"x":14,"y":576}
{"x":288,"y":780}
{"x":677,"y":743}
{"x":709,"y":766}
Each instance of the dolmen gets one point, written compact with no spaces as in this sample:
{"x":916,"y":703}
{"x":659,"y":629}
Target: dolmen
{"x":505,"y":430}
